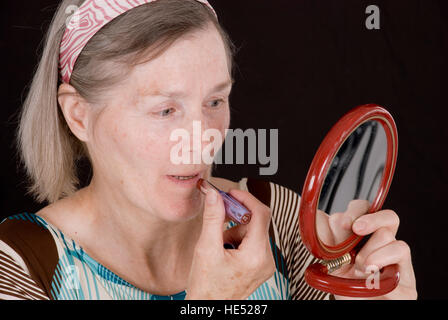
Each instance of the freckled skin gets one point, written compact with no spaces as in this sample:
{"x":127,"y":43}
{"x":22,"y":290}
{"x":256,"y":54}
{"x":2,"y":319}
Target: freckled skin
{"x":134,"y":146}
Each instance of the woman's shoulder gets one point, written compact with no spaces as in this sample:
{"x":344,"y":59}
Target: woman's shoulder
{"x":29,"y":236}
{"x":22,"y":227}
{"x":27,"y":252}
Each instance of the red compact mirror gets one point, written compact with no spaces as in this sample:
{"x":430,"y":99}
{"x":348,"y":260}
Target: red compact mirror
{"x":350,"y":176}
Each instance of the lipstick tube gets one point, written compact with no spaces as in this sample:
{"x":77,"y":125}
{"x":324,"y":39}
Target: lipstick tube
{"x":236,"y":211}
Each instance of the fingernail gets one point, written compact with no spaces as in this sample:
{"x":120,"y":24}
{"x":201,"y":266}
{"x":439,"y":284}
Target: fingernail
{"x":211,"y":196}
{"x":201,"y":186}
{"x":204,"y":186}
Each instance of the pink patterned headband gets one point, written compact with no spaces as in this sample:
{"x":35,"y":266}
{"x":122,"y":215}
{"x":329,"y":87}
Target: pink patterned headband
{"x":86,"y":22}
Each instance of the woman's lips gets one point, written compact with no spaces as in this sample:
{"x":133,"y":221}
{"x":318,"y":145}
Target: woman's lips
{"x":187,"y":181}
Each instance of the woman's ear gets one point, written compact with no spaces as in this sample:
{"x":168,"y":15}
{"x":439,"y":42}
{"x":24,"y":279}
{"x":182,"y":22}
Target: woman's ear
{"x":75,"y":110}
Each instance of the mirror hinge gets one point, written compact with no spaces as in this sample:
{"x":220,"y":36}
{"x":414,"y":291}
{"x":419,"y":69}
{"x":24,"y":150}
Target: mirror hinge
{"x":333,"y":265}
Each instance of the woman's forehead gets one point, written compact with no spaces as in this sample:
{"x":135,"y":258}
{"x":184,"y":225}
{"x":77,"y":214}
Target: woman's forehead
{"x":191,"y":61}
{"x":159,"y":91}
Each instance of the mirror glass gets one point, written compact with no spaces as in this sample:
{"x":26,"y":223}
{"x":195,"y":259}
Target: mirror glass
{"x":352,"y":182}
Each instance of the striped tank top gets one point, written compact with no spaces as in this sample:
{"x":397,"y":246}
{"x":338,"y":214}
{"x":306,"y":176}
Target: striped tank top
{"x":38,"y":262}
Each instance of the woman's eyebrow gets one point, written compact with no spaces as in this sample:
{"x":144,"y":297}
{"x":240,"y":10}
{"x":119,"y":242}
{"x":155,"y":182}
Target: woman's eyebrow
{"x":181,"y":94}
{"x":223,"y":85}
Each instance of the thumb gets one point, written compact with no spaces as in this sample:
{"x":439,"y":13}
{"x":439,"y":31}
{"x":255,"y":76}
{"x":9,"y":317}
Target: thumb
{"x":213,"y":218}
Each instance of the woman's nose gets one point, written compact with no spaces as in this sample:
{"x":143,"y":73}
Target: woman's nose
{"x":201,"y":133}
{"x":196,"y":122}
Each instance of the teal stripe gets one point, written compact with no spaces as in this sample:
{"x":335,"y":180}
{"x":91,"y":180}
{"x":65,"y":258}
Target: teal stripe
{"x":109,"y":289}
{"x":54,"y":290}
{"x":115,"y":289}
{"x":262,"y":292}
{"x":25,"y":217}
{"x":70,"y":262}
{"x":284,"y":272}
{"x":133,"y":294}
{"x":278,"y":283}
{"x":269,"y":292}
{"x":128,"y":292}
{"x":266,"y":293}
{"x":278,"y":295}
{"x":259,"y":295}
{"x":58,"y":282}
{"x":79,"y":293}
{"x":95,"y":283}
{"x":60,"y":286}
{"x":71,"y":292}
{"x":254,"y":295}
{"x":78,"y":255}
{"x":286,"y":288}
{"x":33,"y":218}
{"x":274,"y":295}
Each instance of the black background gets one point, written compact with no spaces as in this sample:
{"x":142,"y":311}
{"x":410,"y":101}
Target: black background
{"x":301,"y":66}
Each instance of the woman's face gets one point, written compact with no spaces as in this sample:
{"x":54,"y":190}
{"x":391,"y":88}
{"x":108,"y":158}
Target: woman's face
{"x":130,"y":140}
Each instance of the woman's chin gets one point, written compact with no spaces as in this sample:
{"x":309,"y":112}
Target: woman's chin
{"x":183,"y":211}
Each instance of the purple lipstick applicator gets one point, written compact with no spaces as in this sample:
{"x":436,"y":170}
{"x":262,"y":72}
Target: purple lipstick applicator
{"x":237,"y":212}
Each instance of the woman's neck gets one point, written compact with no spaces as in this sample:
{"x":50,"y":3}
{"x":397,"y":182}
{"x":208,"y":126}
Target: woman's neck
{"x":152,"y":254}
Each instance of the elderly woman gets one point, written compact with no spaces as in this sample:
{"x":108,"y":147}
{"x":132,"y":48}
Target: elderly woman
{"x":115,"y":80}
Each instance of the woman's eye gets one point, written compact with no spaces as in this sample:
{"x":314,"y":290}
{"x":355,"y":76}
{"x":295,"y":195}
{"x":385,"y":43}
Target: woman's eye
{"x":216,"y":103}
{"x":165,"y":112}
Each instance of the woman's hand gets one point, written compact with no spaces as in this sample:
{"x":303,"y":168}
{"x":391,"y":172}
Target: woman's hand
{"x":220,"y":274}
{"x":381,"y":250}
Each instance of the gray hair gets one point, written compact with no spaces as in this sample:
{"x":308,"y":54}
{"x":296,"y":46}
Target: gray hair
{"x":47,"y":149}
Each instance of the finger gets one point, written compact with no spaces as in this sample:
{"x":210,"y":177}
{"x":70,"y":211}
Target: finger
{"x":357,"y":208}
{"x":340,"y":223}
{"x":396,"y":252}
{"x":258,"y":227}
{"x":340,"y":226}
{"x":324,"y":228}
{"x":369,"y":223}
{"x":212,"y":220}
{"x":379,"y":239}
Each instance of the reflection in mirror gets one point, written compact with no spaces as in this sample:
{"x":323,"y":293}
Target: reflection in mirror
{"x":352,"y":182}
